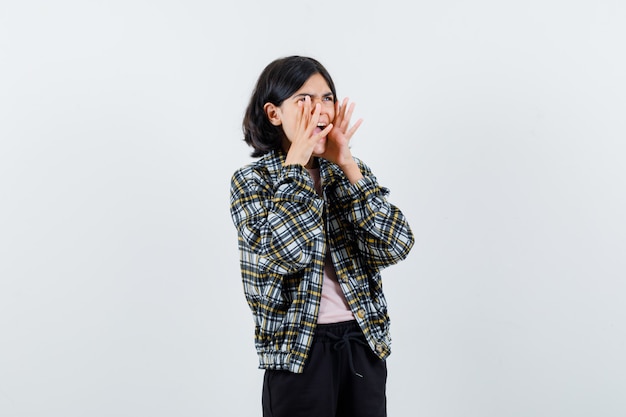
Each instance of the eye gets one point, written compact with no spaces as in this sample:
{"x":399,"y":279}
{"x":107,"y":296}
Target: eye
{"x":328,"y":98}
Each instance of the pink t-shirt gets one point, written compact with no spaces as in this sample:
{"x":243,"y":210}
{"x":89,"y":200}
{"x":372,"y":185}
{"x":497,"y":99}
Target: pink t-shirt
{"x":333,"y":305}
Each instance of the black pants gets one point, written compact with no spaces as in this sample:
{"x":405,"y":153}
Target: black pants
{"x":342,"y":378}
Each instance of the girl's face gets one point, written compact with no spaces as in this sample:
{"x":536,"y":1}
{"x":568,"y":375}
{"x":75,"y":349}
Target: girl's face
{"x":316,"y":88}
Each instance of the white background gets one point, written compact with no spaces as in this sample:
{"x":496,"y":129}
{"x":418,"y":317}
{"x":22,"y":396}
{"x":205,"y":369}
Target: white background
{"x":499,"y":126}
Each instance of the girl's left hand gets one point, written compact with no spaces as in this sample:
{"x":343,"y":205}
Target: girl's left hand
{"x":338,"y":143}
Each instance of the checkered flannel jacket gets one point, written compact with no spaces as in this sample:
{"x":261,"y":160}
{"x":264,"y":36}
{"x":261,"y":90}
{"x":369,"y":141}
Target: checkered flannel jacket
{"x":284,"y":228}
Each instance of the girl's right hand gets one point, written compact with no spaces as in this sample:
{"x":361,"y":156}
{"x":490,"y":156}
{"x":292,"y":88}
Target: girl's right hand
{"x":306,"y":138}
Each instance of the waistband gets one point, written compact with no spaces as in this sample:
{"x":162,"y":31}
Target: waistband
{"x":329,"y":332}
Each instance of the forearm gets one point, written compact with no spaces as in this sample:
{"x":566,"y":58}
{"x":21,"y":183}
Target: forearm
{"x":277,"y":221}
{"x":352,"y":171}
{"x":382,"y":231}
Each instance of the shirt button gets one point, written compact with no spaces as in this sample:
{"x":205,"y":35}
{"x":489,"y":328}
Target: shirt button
{"x":360,"y":313}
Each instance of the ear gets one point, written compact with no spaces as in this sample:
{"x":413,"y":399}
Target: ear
{"x":273,"y":114}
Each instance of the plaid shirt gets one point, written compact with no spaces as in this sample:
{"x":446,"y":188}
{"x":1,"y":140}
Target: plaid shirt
{"x":284,"y":228}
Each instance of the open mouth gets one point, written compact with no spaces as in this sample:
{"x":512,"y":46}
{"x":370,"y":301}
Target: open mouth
{"x":319,"y":127}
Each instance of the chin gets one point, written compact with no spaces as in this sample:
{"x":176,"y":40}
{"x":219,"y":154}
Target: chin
{"x":320,"y":148}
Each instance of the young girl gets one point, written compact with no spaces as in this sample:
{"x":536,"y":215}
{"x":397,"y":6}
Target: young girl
{"x":314,"y":231}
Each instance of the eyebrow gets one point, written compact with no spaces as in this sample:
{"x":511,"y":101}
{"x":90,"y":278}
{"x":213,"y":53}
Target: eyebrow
{"x":329,"y":94}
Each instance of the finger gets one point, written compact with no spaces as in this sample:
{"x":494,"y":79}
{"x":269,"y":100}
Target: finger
{"x":308,"y":116}
{"x":344,"y":106}
{"x":315,"y":118}
{"x":325,"y":131}
{"x":307,"y":109}
{"x":344,"y":115}
{"x":300,"y":116}
{"x":310,"y":121}
{"x":353,"y":129}
{"x":348,"y":114}
{"x":338,"y":113}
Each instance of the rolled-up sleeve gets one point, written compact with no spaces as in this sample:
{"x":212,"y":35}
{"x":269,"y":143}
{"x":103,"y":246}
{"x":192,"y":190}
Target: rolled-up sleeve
{"x":383,"y":234}
{"x":277,"y":221}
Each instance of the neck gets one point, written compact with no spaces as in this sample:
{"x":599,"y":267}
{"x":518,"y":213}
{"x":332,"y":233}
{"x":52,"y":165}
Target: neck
{"x":312,"y":163}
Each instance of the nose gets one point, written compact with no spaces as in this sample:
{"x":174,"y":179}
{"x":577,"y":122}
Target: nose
{"x":315,"y":100}
{"x":324,"y":105}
